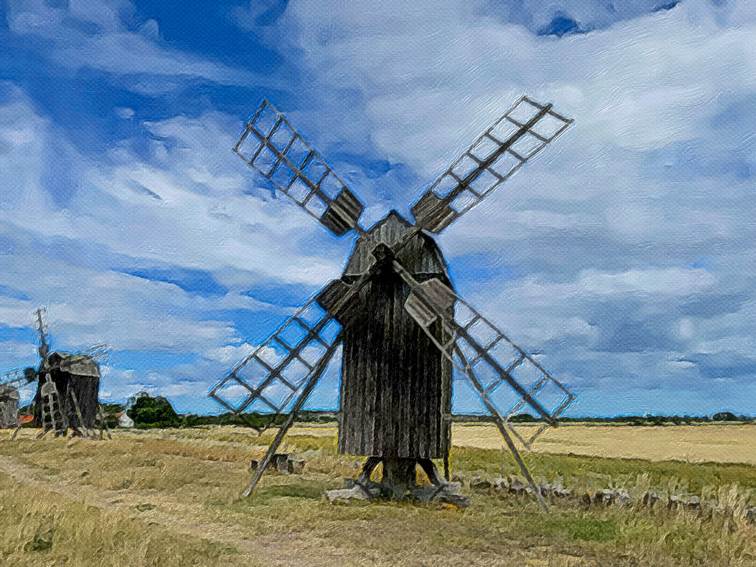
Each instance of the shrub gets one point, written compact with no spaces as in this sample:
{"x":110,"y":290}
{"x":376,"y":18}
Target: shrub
{"x":148,"y":412}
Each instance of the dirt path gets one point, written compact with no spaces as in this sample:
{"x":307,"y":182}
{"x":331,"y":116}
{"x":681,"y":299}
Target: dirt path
{"x":178,"y":517}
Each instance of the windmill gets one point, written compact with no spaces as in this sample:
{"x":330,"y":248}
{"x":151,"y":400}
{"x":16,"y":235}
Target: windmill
{"x":394,"y":311}
{"x":67,"y":387}
{"x":9,"y":400}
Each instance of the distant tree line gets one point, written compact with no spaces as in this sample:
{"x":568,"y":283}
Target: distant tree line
{"x":153,"y":412}
{"x":629,"y":419}
{"x":157,"y":412}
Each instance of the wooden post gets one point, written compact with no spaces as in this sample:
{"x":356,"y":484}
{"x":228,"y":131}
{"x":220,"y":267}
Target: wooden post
{"x":77,"y":409}
{"x":309,"y":385}
{"x":504,"y":433}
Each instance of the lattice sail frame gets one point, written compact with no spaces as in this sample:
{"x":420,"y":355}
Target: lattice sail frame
{"x":12,"y":377}
{"x":270,"y":377}
{"x":487,"y":356}
{"x":272,"y":146}
{"x":523,"y":131}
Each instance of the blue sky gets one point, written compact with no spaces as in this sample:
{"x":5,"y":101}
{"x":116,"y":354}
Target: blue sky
{"x":625,"y":254}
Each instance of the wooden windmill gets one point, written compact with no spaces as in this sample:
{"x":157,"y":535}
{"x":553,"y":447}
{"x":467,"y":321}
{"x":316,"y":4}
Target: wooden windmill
{"x":394,"y":310}
{"x":9,"y":404}
{"x":67,"y":389}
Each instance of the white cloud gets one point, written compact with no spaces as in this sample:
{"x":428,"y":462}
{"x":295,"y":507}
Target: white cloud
{"x":230,"y":354}
{"x":186,"y":206}
{"x":94,"y":35}
{"x":207,"y":216}
{"x":125,"y":113}
{"x":17,"y":353}
{"x":656,"y":282}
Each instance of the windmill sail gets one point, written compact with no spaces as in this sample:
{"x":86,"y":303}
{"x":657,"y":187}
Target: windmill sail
{"x":523,"y":131}
{"x":274,"y":148}
{"x":14,"y":377}
{"x":267,"y":380}
{"x":99,"y":352}
{"x":41,"y":321}
{"x":509,"y":378}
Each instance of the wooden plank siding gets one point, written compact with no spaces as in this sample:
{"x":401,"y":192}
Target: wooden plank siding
{"x":396,"y":385}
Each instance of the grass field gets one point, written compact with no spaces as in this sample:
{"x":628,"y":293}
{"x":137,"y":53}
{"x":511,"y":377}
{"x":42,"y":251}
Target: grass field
{"x":169,"y":497}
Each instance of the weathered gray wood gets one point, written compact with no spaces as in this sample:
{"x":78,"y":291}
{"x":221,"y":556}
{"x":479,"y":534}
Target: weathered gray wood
{"x":8,"y":406}
{"x":79,"y":419}
{"x":85,"y":386}
{"x":395,"y":382}
{"x":420,"y":255}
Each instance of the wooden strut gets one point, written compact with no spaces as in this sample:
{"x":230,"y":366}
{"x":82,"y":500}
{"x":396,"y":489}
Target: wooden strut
{"x":306,"y":391}
{"x":484,"y":396}
{"x":103,"y":422}
{"x":427,"y":465}
{"x":50,"y":410}
{"x":84,"y":429}
{"x":504,"y":433}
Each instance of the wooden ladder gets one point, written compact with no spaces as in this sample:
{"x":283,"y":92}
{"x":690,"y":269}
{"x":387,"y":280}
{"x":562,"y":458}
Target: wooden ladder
{"x":50,"y":410}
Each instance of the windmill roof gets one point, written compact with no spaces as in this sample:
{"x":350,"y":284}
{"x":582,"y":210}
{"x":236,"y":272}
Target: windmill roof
{"x":420,"y":255}
{"x":8,"y":392}
{"x":73,"y":363}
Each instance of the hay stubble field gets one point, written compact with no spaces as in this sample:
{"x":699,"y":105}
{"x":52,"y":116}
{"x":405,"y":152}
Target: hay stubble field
{"x":169,"y":497}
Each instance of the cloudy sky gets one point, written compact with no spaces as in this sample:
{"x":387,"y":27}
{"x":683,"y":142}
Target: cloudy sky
{"x":625,"y":253}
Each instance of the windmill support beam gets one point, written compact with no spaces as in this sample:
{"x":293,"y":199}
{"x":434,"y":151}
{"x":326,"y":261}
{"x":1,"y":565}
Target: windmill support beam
{"x":505,"y":434}
{"x":399,"y":482}
{"x":298,"y":404}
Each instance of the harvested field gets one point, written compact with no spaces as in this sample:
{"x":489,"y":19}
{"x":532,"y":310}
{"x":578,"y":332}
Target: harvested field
{"x":734,"y":443}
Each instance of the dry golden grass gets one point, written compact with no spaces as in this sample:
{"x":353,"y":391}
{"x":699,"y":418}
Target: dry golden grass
{"x":169,"y":497}
{"x":41,"y":526}
{"x":733,"y":443}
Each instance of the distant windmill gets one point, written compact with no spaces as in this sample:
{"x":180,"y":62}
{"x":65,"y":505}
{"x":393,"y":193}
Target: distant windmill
{"x":9,"y":404}
{"x":402,"y":326}
{"x":67,"y":387}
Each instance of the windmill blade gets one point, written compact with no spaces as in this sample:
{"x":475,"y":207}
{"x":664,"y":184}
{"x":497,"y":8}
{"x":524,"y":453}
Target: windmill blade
{"x":40,"y":320}
{"x":270,"y":145}
{"x":501,"y":423}
{"x":99,"y":352}
{"x":523,"y":131}
{"x":307,"y":389}
{"x":268,"y":379}
{"x":12,"y":378}
{"x":486,"y":355}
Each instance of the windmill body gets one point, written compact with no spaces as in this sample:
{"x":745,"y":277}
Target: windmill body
{"x":394,"y":311}
{"x":8,"y":406}
{"x":76,"y":377}
{"x":396,"y":386}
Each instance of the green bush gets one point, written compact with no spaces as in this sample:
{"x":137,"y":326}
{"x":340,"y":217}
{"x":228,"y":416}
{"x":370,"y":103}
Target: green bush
{"x":149,"y":412}
{"x":725,"y":416}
